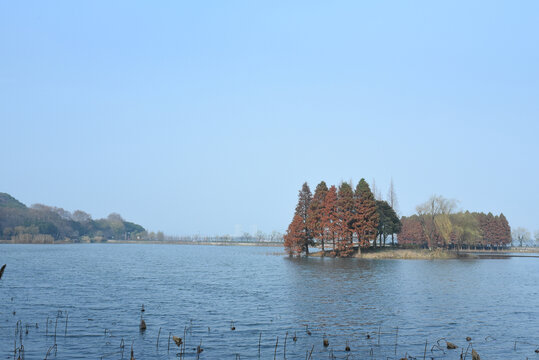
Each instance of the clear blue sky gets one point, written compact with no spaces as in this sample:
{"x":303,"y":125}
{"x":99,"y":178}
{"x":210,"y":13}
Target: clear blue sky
{"x":207,"y":116}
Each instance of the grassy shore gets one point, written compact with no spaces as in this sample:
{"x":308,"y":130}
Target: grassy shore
{"x":392,"y":253}
{"x":421,"y":254}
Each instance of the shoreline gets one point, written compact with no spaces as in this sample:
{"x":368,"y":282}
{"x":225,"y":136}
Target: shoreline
{"x":148,"y":242}
{"x":398,"y":254}
{"x":368,"y":254}
{"x":437,"y":254}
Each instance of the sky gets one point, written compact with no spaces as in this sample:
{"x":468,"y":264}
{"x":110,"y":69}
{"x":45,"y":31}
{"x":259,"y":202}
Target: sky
{"x":206,"y":117}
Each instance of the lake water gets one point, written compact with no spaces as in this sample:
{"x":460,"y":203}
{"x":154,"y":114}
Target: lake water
{"x":204,"y":288}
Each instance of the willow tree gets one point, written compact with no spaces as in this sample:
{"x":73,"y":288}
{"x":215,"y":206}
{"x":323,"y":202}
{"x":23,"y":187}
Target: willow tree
{"x":433,"y":215}
{"x":521,"y":235}
{"x":465,"y":230}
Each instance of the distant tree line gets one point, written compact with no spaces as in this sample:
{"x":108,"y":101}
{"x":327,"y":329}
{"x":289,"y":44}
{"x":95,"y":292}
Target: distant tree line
{"x":46,"y":224}
{"x":342,"y":220}
{"x":521,"y":236}
{"x":258,"y":237}
{"x":436,"y":225}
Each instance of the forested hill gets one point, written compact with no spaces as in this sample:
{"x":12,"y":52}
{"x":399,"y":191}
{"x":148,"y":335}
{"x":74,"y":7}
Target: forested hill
{"x":46,"y":224}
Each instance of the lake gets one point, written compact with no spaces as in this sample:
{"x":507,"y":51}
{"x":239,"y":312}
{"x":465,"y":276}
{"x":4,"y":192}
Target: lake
{"x":381,"y":308}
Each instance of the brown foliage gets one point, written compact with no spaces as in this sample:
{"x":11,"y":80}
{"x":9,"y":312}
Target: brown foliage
{"x":329,"y":217}
{"x":315,"y":214}
{"x":295,"y":236}
{"x":412,"y":232}
{"x":367,"y":216}
{"x":345,"y":219}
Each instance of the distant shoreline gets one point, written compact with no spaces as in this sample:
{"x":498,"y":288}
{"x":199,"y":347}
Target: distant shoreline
{"x":214,"y":243}
{"x":148,"y":242}
{"x":372,"y":254}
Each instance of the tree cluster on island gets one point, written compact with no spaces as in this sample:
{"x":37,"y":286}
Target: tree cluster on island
{"x":46,"y":224}
{"x":436,"y":225}
{"x":343,"y":220}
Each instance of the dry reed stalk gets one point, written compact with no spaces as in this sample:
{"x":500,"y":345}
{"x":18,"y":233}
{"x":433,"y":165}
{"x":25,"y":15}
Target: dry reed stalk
{"x":285,"y":337}
{"x":396,"y":339}
{"x":2,"y":270}
{"x":55,"y":326}
{"x":67,"y":317}
{"x":311,"y":353}
{"x":259,"y":339}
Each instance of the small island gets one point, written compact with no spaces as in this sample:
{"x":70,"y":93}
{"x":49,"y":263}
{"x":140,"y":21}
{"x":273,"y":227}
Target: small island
{"x":347,"y":222}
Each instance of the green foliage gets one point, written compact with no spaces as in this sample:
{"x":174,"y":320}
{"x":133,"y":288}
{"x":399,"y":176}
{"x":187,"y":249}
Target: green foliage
{"x":22,"y":224}
{"x":388,"y":223}
{"x":435,"y":225}
{"x":363,"y":189}
{"x":302,"y":209}
{"x":8,"y":201}
{"x":466,"y":230}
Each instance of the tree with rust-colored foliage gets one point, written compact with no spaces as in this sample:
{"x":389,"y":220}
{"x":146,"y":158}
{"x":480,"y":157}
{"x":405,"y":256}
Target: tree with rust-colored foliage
{"x":299,"y":235}
{"x":411,"y":233}
{"x":366,"y":217}
{"x":494,"y":229}
{"x":315,"y":214}
{"x":501,"y":231}
{"x":304,"y":201}
{"x":505,"y":231}
{"x":346,"y":217}
{"x":295,"y":236}
{"x":329,"y":218}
